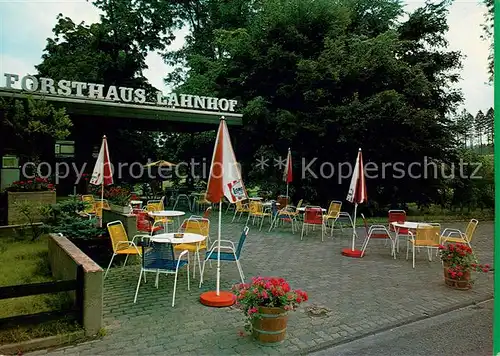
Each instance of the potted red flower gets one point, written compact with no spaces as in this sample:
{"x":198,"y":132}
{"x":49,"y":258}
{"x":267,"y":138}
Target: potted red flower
{"x":459,"y":262}
{"x":266,"y":302}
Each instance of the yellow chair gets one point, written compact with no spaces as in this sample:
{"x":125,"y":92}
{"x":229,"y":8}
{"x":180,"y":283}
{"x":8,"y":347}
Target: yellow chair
{"x":241,"y":207}
{"x":157,"y":205}
{"x":333,"y":213}
{"x":426,"y":235}
{"x":457,"y":236}
{"x":89,"y":206}
{"x":287,"y":214}
{"x":99,"y":205}
{"x":257,"y":211}
{"x":88,"y":198}
{"x":120,"y":242}
{"x":198,"y":226}
{"x":294,"y":210}
{"x":201,"y":201}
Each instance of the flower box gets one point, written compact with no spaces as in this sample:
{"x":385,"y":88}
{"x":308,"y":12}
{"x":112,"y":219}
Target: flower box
{"x":14,"y":216}
{"x":120,"y":209}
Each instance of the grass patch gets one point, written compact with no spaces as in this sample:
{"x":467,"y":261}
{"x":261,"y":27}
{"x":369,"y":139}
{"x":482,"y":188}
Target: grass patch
{"x":23,"y":261}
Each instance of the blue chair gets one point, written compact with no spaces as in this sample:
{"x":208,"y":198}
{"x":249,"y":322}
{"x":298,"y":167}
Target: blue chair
{"x":159,"y":257}
{"x":228,"y":252}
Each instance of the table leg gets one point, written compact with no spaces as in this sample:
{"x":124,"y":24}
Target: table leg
{"x":198,"y":256}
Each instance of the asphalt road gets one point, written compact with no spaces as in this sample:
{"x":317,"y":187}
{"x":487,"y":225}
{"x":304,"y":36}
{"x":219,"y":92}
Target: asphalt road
{"x":464,"y":332}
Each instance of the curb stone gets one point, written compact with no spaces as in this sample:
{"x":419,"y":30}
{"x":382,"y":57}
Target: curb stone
{"x":49,"y":342}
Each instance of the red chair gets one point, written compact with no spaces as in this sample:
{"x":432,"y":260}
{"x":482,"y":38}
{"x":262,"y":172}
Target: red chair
{"x":144,"y":223}
{"x":313,"y":216}
{"x":207,"y":213}
{"x":398,"y":216}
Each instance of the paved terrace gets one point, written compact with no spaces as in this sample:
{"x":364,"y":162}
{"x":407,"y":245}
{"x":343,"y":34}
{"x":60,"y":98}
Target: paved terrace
{"x":359,"y":296}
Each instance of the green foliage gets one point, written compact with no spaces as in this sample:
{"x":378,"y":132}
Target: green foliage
{"x":31,"y":214}
{"x":63,"y":218}
{"x":488,"y":28}
{"x":325,"y":78}
{"x":112,"y":52}
{"x":27,"y":126}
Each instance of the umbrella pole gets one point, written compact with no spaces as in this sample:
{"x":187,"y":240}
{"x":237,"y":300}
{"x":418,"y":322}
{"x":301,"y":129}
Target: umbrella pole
{"x":354,"y":226}
{"x":218,"y":248}
{"x":102,"y":199}
{"x":287,"y":191}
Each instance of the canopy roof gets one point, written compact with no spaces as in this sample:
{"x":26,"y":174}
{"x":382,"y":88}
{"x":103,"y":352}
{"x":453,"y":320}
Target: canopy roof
{"x":142,"y":116}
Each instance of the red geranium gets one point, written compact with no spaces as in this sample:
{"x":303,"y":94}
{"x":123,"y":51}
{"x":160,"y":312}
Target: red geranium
{"x":37,"y":184}
{"x":460,"y":260}
{"x":266,"y":292}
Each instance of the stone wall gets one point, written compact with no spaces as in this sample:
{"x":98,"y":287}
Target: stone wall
{"x":64,"y":259}
{"x":129,"y":221}
{"x":36,"y":198}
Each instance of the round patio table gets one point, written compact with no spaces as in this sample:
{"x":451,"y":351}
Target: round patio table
{"x":304,"y":209}
{"x":187,"y":238}
{"x":407,"y":225}
{"x":167,"y":214}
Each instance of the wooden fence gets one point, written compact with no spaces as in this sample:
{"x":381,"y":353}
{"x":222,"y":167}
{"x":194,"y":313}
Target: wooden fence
{"x":24,"y":290}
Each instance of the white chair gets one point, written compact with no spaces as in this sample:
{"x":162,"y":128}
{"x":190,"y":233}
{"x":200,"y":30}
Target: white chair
{"x":228,"y":252}
{"x":160,"y":258}
{"x":378,"y":232}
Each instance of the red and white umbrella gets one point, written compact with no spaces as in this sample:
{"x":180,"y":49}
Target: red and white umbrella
{"x":102,"y":174}
{"x":287,"y":174}
{"x":224,"y":181}
{"x":357,"y":195}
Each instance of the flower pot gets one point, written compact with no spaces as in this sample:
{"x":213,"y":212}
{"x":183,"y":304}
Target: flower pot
{"x":462,"y":283}
{"x":120,"y":209}
{"x":269,"y":327}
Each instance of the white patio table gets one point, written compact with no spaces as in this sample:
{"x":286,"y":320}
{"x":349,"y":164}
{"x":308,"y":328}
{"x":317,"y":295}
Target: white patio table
{"x":167,"y":214}
{"x":407,"y":225}
{"x":187,"y":238}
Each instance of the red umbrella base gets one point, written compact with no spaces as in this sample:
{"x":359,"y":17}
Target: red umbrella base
{"x":351,"y":253}
{"x":211,"y":299}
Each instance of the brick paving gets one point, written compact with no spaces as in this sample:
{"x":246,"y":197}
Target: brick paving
{"x":360,"y":296}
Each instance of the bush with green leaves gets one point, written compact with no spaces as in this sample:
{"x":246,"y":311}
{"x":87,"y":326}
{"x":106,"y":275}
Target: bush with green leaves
{"x":64,"y":218}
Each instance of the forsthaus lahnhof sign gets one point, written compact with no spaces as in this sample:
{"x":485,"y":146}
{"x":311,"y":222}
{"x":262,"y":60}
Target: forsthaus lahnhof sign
{"x":64,"y":87}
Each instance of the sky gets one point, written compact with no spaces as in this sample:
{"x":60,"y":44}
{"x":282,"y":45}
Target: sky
{"x":26,"y":25}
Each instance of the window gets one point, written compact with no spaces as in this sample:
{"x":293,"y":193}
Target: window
{"x":64,"y":149}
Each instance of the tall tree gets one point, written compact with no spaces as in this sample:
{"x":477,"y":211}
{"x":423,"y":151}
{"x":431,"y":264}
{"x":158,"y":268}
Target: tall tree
{"x":488,"y":28}
{"x":30,"y":127}
{"x":479,"y":128}
{"x":327,"y":77}
{"x":113,"y":52}
{"x":490,"y":123}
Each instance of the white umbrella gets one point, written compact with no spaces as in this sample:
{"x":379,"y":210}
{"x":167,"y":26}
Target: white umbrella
{"x":224,"y":181}
{"x":287,"y":174}
{"x":102,"y":174}
{"x":356,"y":195}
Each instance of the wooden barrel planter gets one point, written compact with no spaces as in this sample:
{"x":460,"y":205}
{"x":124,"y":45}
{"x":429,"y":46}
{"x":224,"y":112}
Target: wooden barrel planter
{"x":270,"y":327}
{"x":464,"y":283}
